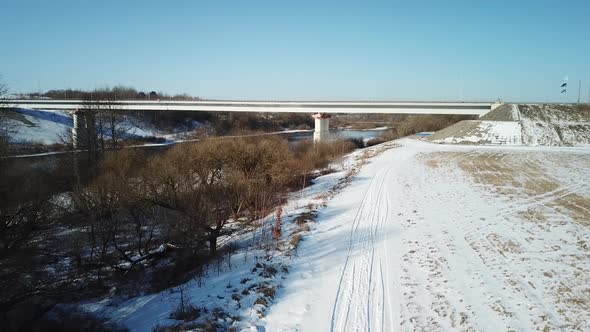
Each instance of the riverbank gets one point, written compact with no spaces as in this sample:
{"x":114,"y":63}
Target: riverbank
{"x":238,"y":292}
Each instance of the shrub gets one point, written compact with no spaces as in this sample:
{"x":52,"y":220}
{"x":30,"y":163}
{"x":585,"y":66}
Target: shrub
{"x":358,"y":142}
{"x":268,"y":291}
{"x":186,"y":312}
{"x":69,"y":319}
{"x":295,"y":240}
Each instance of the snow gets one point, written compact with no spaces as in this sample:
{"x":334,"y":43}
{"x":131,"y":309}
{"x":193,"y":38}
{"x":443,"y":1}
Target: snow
{"x":502,"y":132}
{"x":515,"y":112}
{"x":51,"y":127}
{"x":45,"y":127}
{"x":409,"y":247}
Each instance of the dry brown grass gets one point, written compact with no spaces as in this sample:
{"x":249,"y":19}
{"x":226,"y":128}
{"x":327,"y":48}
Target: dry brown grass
{"x":268,"y":291}
{"x":541,"y":196}
{"x":296,"y":240}
{"x":504,"y":245}
{"x":534,"y":214}
{"x":432,"y":163}
{"x":516,"y":177}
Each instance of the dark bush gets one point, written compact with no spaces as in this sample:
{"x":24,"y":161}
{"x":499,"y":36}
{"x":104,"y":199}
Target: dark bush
{"x":65,"y":319}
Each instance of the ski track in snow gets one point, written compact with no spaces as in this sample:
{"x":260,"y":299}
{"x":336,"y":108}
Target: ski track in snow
{"x":428,"y":250}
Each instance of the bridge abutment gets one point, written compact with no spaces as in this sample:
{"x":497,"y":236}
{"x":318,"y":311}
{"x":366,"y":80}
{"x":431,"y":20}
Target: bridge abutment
{"x":493,"y":106}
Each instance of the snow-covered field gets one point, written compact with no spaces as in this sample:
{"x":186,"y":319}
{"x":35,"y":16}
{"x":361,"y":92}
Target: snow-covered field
{"x":423,"y":237}
{"x":435,"y":238}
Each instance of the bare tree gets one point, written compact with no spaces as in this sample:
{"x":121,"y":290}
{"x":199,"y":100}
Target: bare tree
{"x":3,"y":89}
{"x":24,"y":276}
{"x":188,"y":179}
{"x":7,"y":129}
{"x":109,"y":123}
{"x":112,"y":120}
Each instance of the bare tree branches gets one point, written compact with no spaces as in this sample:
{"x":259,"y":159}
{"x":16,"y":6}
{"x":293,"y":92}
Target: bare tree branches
{"x":140,"y":216}
{"x":3,"y":88}
{"x":100,"y":124}
{"x":7,"y":129}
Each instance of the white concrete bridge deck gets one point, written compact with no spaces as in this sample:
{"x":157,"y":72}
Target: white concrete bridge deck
{"x":321,"y":109}
{"x":464,"y":108}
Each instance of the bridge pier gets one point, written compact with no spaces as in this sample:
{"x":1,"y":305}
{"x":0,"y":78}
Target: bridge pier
{"x":322,"y":127}
{"x":83,"y":131}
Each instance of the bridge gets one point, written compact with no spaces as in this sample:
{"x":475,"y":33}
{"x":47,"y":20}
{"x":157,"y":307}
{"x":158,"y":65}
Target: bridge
{"x":321,"y":110}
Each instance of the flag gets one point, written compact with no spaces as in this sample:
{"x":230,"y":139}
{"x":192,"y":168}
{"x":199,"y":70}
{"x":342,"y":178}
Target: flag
{"x":564,"y":85}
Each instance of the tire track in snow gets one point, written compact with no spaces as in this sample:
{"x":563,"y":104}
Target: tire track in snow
{"x":353,"y":228}
{"x":358,"y":292}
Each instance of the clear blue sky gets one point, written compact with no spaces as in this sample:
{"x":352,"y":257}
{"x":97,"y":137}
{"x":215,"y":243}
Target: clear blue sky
{"x":301,"y":50}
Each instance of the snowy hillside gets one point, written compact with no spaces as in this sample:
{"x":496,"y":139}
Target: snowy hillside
{"x":45,"y":127}
{"x":529,"y":124}
{"x":52,"y":127}
{"x":480,"y":132}
{"x":555,"y":124}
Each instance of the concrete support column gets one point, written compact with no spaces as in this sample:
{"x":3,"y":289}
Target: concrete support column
{"x":322,"y":127}
{"x":83,"y":131}
{"x":77,"y":128}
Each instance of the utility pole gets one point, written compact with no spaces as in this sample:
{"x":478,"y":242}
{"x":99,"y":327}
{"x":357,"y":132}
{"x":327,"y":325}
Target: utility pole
{"x":579,"y":89}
